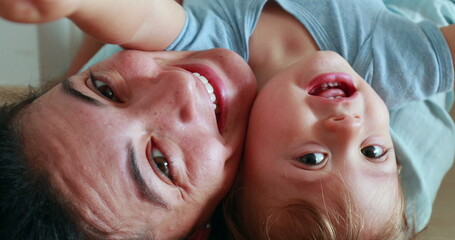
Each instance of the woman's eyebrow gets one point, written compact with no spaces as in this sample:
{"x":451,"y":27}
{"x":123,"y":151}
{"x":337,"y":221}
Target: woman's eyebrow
{"x":146,"y":191}
{"x":69,"y":88}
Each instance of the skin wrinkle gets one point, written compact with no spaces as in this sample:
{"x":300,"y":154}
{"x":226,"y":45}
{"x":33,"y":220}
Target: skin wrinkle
{"x":182,"y":189}
{"x":189,"y":186}
{"x":102,"y":220}
{"x":96,"y":220}
{"x":103,"y":215}
{"x":187,"y":183}
{"x":99,"y":217}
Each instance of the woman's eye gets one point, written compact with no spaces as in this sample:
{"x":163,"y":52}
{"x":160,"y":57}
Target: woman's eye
{"x":103,"y":88}
{"x":373,"y":151}
{"x":160,"y":162}
{"x":312,"y":159}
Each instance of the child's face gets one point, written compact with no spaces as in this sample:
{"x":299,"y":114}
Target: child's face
{"x":300,"y":141}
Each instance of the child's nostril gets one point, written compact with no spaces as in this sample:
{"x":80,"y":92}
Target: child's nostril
{"x":338,"y":119}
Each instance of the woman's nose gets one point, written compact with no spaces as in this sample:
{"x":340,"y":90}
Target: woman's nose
{"x":344,"y":126}
{"x":174,"y":94}
{"x":185,"y":92}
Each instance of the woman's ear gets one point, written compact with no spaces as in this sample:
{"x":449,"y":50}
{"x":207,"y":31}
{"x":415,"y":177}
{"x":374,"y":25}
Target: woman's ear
{"x":202,"y":233}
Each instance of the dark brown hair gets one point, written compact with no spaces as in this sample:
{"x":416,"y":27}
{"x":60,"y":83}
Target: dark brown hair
{"x":29,"y":207}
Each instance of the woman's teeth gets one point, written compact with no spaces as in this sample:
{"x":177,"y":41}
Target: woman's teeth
{"x":208,"y":87}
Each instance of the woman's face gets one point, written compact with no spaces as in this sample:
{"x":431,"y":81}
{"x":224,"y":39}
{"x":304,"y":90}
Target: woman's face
{"x":135,"y":142}
{"x":313,"y":124}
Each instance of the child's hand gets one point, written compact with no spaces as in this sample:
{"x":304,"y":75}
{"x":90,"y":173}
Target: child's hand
{"x":37,"y":11}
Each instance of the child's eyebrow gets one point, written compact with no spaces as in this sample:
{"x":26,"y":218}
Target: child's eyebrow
{"x":68,"y":88}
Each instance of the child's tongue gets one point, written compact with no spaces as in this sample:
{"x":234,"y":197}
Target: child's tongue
{"x":332,"y":93}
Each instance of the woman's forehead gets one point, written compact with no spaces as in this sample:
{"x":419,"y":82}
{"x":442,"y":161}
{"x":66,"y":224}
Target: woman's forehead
{"x":90,"y":175}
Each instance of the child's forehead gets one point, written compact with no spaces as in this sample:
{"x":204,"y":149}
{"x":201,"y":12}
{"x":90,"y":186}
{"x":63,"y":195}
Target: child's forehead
{"x":377,"y":202}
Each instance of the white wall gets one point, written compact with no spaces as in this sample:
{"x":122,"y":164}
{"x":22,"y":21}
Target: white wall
{"x":32,"y":53}
{"x":58,"y":43}
{"x":19,"y":63}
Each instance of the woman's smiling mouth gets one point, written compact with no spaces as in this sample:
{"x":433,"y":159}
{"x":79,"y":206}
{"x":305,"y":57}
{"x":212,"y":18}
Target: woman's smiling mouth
{"x":215,"y":90}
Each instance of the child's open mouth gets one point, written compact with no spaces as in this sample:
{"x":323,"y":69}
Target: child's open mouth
{"x":332,"y":86}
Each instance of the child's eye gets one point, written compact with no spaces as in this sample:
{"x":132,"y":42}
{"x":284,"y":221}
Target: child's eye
{"x":373,"y":151}
{"x":313,"y":159}
{"x":160,"y":162}
{"x":103,"y":88}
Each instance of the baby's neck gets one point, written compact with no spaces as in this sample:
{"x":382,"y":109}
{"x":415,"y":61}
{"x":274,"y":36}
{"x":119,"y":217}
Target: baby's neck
{"x":278,"y":41}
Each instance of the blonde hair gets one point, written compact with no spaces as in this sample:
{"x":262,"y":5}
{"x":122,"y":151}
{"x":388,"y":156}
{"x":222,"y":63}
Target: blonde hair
{"x":302,"y":219}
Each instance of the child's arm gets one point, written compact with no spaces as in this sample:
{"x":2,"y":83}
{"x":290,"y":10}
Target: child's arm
{"x":138,"y":24}
{"x":449,"y":34}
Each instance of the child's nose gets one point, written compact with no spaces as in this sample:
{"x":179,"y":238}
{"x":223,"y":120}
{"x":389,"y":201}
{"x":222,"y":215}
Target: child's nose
{"x":344,"y":126}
